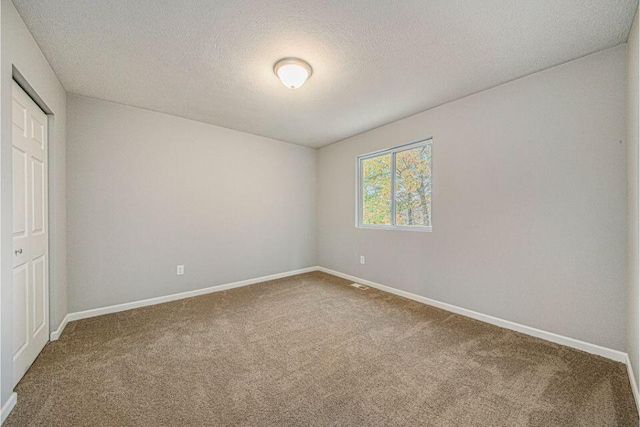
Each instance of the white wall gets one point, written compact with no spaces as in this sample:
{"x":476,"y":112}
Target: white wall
{"x":20,"y":50}
{"x":529,"y":203}
{"x":633,"y":330}
{"x":148,"y":191}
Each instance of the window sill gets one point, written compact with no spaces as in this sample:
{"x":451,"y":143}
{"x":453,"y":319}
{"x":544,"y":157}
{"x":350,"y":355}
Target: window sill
{"x":396,"y":227}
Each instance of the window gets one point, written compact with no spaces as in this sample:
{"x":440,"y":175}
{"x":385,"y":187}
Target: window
{"x":394,"y":188}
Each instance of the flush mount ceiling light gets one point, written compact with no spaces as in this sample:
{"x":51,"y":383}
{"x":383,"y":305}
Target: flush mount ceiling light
{"x":292,"y":72}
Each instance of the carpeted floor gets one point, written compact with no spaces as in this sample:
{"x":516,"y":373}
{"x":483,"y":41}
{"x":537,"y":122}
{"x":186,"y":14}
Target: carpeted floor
{"x":310,"y":350}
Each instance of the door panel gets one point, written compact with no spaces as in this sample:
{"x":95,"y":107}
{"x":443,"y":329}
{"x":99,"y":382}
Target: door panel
{"x":37,"y":168}
{"x":19,"y":117}
{"x":20,"y":199}
{"x":30,"y":232}
{"x":20,"y":302}
{"x":37,"y":132}
{"x":39,"y":290}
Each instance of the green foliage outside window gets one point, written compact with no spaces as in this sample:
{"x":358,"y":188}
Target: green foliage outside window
{"x":377,"y":190}
{"x":412,"y":190}
{"x":413,"y":186}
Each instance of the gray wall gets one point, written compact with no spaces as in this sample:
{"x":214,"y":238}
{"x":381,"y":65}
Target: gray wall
{"x":529,"y":203}
{"x":20,"y":50}
{"x":633,"y":331}
{"x":148,"y":191}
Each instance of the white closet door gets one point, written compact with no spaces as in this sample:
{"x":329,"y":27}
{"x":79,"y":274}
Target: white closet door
{"x":30,"y":232}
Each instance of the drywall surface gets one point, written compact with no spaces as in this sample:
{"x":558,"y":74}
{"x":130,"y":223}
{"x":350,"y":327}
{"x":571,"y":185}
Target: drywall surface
{"x":19,"y":50}
{"x":633,"y":330}
{"x":148,"y":191}
{"x":529,"y":203}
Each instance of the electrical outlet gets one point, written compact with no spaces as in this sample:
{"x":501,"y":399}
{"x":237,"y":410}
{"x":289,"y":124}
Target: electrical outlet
{"x":361,"y":259}
{"x":180,"y":270}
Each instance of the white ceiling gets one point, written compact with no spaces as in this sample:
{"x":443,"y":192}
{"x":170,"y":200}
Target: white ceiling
{"x":374,"y":61}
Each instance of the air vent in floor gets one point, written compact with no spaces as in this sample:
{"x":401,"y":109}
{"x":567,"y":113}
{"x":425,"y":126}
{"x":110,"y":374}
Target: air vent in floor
{"x":359,"y":286}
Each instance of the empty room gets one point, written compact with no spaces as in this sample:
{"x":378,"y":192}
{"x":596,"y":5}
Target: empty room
{"x":319,"y":213}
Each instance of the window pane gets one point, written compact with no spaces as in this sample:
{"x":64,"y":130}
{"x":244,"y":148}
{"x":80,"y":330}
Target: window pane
{"x":413,"y":186}
{"x":376,"y":190}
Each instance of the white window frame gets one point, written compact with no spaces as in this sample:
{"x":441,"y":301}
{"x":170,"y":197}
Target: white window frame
{"x":359,"y":194}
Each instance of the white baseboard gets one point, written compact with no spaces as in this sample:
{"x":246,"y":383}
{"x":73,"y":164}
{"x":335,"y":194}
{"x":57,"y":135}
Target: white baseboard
{"x":616,"y":355}
{"x":56,"y":334}
{"x":168,"y":298}
{"x":632,"y":380}
{"x":8,"y":407}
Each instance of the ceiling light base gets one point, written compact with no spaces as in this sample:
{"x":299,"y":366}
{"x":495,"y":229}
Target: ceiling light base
{"x":292,"y":72}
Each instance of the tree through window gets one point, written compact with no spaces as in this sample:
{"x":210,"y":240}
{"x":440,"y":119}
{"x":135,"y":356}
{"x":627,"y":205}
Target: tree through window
{"x":395,"y":188}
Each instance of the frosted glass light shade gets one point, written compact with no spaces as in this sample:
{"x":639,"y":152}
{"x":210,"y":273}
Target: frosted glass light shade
{"x":292,"y":72}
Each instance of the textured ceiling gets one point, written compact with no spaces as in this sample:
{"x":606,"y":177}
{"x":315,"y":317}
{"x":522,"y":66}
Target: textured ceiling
{"x":374,"y":61}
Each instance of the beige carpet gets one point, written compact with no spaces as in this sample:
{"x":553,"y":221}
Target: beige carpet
{"x":312,"y":351}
